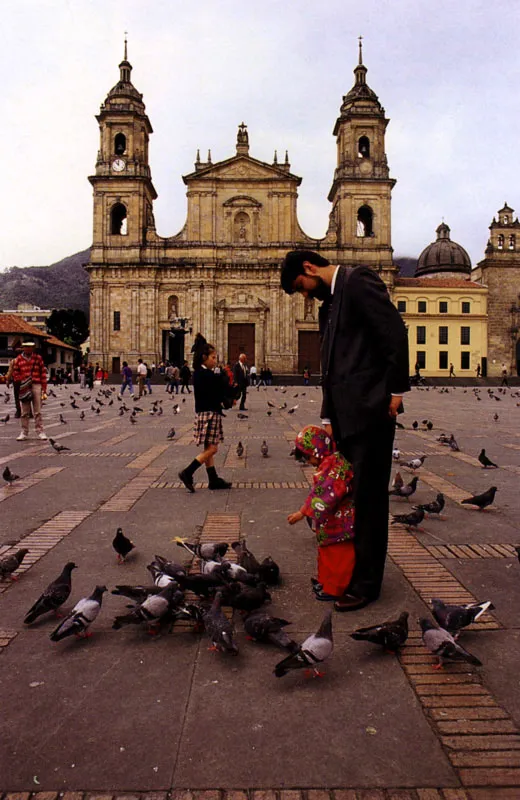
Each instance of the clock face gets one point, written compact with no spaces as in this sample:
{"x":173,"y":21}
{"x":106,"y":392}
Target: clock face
{"x":118,"y":165}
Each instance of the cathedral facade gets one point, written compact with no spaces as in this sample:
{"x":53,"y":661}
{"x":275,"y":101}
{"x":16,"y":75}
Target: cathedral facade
{"x":219,"y":275}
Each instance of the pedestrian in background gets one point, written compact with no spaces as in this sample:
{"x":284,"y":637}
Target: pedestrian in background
{"x":30,"y":373}
{"x":126,"y":382}
{"x":185,"y":375}
{"x":241,"y":378}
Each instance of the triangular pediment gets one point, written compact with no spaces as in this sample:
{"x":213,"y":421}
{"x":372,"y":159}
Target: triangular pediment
{"x":241,"y":167}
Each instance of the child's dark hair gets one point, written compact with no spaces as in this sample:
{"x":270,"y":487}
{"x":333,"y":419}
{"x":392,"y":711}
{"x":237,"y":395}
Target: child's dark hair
{"x":202,"y":352}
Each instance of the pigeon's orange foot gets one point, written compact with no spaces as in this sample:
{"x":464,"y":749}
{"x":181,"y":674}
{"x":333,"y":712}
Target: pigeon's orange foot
{"x":437,"y":666}
{"x":213,"y":649}
{"x":14,"y":578}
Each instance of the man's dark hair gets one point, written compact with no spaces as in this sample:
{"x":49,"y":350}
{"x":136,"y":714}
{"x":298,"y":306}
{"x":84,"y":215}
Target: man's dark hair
{"x":292,"y":266}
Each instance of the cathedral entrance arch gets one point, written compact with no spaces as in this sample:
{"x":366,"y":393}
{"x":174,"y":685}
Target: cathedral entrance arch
{"x":173,"y":348}
{"x":309,"y":351}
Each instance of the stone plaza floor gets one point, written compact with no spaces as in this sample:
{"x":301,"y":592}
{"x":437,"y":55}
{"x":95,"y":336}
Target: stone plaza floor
{"x":124,"y":714}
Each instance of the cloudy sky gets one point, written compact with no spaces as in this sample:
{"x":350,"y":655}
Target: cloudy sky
{"x":446,"y":72}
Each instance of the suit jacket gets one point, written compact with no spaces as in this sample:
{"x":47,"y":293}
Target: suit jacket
{"x":364,"y":352}
{"x":240,"y":375}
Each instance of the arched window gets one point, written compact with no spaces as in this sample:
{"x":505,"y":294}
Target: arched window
{"x":173,"y":306}
{"x":241,"y":228}
{"x":120,"y":144}
{"x":500,"y":241}
{"x":364,"y":147}
{"x":364,"y":225}
{"x":512,"y":242}
{"x":118,"y":220}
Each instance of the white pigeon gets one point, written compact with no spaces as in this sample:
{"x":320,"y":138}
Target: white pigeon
{"x":314,"y":650}
{"x":396,"y":454}
{"x":81,"y":617}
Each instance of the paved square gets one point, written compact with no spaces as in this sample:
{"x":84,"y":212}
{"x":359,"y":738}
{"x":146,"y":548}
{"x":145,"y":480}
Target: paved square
{"x":124,"y":712}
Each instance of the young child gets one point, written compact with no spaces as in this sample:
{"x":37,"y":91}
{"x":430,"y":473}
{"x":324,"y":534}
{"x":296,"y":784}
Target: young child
{"x":210,"y":391}
{"x":331,"y":510}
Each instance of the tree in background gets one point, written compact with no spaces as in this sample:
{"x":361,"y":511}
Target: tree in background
{"x":68,"y":324}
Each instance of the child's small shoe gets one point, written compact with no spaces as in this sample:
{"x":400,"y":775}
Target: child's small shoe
{"x":326,"y":598}
{"x":316,"y":585}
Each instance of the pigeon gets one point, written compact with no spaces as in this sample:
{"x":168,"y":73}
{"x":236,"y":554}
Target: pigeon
{"x":442,"y":644}
{"x":271,"y":405}
{"x":453,"y":618}
{"x":54,"y":595}
{"x":202,"y":585}
{"x":396,"y":454}
{"x":59,"y":448}
{"x":219,"y":628}
{"x":171,"y":434}
{"x":133,"y":420}
{"x":138,"y":593}
{"x":412,"y":520}
{"x":240,"y":449}
{"x":122,"y":545}
{"x":81,"y":617}
{"x":435,"y":507}
{"x":314,"y":650}
{"x":245,"y":557}
{"x":453,"y":444}
{"x":242,"y":416}
{"x":262,"y":627}
{"x":9,"y":564}
{"x":264,"y":449}
{"x":63,"y":421}
{"x":485,"y":461}
{"x":517,"y":548}
{"x":407,"y":490}
{"x":398,"y":481}
{"x":234,"y":572}
{"x":9,"y":477}
{"x":249,"y":598}
{"x":293,"y":409}
{"x":121,"y":412}
{"x":269,"y":572}
{"x":5,"y":419}
{"x":414,"y":464}
{"x":169,"y":567}
{"x":269,"y":413}
{"x":82,"y":415}
{"x":429,"y":425}
{"x":160,"y":578}
{"x":390,"y":635}
{"x":481,"y":500}
{"x":176,"y":409}
{"x":415,"y":425}
{"x":495,"y":417}
{"x":153,"y":609}
{"x":208,"y":551}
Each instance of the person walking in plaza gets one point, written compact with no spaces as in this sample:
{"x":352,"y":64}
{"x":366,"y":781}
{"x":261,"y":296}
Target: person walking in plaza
{"x":452,"y":371}
{"x":252,"y":375}
{"x":330,"y":511}
{"x":185,"y":376}
{"x":504,"y":376}
{"x":16,"y":386}
{"x":306,"y":376}
{"x":241,"y":378}
{"x":365,"y":371}
{"x":141,"y":376}
{"x":126,"y":382}
{"x":148,"y":379}
{"x":478,"y":370}
{"x":210,"y":391}
{"x":174,"y":379}
{"x":30,"y":374}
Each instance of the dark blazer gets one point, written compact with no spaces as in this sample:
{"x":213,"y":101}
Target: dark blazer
{"x":364,"y":352}
{"x":240,"y":376}
{"x":209,"y":389}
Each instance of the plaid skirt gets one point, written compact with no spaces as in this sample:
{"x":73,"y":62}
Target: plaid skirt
{"x":208,"y":428}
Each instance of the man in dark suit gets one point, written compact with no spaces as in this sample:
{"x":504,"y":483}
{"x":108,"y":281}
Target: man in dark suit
{"x":241,"y":378}
{"x":364,"y":356}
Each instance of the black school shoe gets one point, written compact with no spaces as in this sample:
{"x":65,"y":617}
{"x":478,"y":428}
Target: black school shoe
{"x":219,"y":483}
{"x":187,"y":481}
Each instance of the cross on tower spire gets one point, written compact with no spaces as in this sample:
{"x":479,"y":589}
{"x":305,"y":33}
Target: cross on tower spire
{"x":360,"y":49}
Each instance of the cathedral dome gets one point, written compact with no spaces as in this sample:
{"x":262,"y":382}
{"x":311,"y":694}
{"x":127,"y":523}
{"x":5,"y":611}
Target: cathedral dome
{"x":443,"y":256}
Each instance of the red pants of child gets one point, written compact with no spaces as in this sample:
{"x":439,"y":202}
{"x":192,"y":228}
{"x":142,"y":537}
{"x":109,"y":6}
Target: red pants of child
{"x":335,"y":567}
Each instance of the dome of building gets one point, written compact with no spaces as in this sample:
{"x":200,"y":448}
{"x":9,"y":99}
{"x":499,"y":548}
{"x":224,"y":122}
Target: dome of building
{"x":443,"y":256}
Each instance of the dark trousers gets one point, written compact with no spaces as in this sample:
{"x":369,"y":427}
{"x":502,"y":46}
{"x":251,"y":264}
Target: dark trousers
{"x":370,"y":453}
{"x":243,"y":393}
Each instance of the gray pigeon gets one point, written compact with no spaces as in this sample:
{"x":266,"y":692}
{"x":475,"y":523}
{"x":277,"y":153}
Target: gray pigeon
{"x":435,"y":507}
{"x":81,"y":617}
{"x":54,"y":595}
{"x":264,"y":449}
{"x":262,"y":627}
{"x":442,"y":644}
{"x":10,"y":564}
{"x":240,"y":449}
{"x":219,"y":628}
{"x":160,"y":577}
{"x":390,"y":635}
{"x":139,"y":593}
{"x":59,"y":448}
{"x":453,"y":618}
{"x":314,"y":650}
{"x":153,"y":609}
{"x":412,"y":520}
{"x":208,"y":551}
{"x":169,"y":567}
{"x":414,"y":464}
{"x":405,"y":491}
{"x":245,"y":557}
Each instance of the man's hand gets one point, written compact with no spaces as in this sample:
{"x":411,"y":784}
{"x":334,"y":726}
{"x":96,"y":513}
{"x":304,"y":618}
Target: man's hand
{"x":328,"y":428}
{"x":395,"y":402}
{"x":296,"y":517}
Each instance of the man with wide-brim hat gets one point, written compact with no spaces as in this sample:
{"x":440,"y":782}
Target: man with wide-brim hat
{"x":30,"y":374}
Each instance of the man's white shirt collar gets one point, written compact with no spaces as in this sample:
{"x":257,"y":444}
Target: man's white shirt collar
{"x":333,"y":284}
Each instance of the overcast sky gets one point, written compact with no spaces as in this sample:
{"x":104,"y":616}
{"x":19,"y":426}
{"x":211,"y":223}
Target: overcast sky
{"x":446,"y":72}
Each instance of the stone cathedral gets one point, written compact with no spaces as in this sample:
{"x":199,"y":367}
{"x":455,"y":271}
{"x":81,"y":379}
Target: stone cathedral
{"x":219,"y":275}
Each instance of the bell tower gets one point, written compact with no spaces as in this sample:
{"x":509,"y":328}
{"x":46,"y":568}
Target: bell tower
{"x":361,"y":190}
{"x":123,"y":188}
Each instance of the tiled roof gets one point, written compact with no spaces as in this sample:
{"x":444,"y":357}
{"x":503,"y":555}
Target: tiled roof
{"x":54,"y":342}
{"x":439,"y":283}
{"x":11,"y":323}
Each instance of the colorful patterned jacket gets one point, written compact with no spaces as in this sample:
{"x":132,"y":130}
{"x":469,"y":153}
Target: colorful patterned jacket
{"x":329,"y":502}
{"x":32,"y":367}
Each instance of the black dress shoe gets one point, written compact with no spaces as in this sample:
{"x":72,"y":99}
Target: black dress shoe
{"x":243,"y":408}
{"x":350,"y":602}
{"x":220,"y":483}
